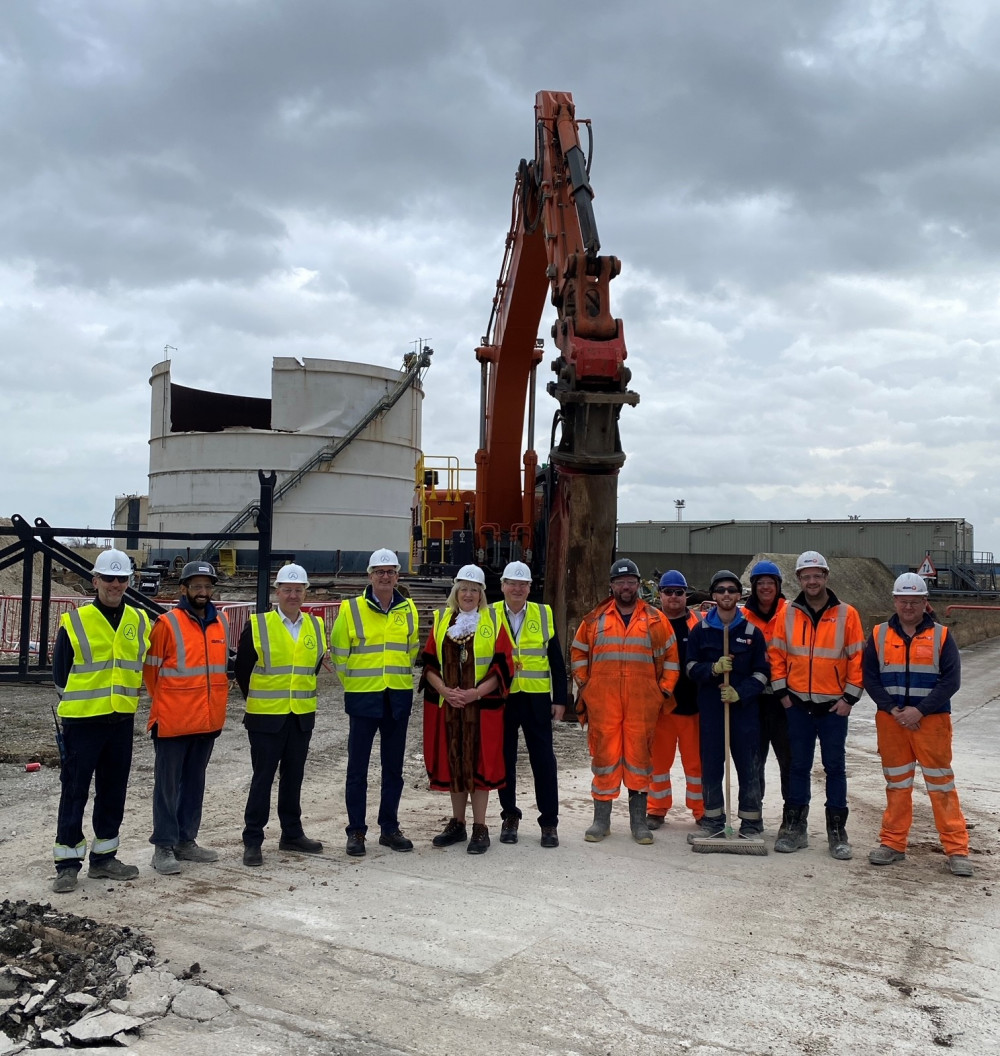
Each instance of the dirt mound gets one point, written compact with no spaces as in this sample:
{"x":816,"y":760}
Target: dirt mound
{"x":10,"y":578}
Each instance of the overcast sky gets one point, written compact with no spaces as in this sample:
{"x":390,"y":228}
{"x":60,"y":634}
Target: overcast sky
{"x":805,"y":197}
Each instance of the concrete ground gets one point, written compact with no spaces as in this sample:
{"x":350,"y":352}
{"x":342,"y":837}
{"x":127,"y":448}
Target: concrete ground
{"x":607,"y":948}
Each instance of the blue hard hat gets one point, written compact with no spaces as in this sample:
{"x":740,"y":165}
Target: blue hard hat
{"x":765,"y":568}
{"x":673,"y":578}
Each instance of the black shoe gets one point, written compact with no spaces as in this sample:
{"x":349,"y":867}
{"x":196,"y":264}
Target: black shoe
{"x":550,"y":838}
{"x":396,"y":840}
{"x":480,"y":840}
{"x":252,"y":855}
{"x":508,"y":829}
{"x":302,"y":844}
{"x":453,"y":832}
{"x":356,"y":844}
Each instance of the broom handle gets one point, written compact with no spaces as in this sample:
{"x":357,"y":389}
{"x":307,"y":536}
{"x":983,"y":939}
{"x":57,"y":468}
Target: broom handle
{"x":725,"y":682}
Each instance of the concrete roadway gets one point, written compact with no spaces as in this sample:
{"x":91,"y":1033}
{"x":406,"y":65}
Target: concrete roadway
{"x":589,"y":949}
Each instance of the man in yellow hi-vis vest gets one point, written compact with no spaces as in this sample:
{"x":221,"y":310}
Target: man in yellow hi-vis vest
{"x":278,"y":658}
{"x":97,"y":670}
{"x":373,"y":644}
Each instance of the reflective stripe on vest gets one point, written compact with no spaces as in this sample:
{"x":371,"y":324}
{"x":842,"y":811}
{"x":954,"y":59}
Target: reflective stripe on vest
{"x":107,"y":664}
{"x":382,"y":644}
{"x":531,"y":654}
{"x":808,"y":651}
{"x":284,"y":678}
{"x":484,"y":640}
{"x":901,"y":676}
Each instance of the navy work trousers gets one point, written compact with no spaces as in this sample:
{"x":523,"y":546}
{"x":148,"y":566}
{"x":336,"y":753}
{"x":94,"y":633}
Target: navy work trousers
{"x":101,"y":751}
{"x":392,"y":750}
{"x":179,"y":786}
{"x":744,"y":747}
{"x":803,"y":731}
{"x":282,"y":752}
{"x":531,"y":712}
{"x":774,"y":734}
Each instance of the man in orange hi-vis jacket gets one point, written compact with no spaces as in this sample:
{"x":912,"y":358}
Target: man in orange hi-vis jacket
{"x":912,"y":669}
{"x":624,"y":664}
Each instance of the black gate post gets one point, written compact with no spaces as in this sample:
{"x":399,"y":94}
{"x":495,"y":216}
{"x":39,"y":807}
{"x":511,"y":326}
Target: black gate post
{"x":24,"y":652}
{"x":264,"y":530}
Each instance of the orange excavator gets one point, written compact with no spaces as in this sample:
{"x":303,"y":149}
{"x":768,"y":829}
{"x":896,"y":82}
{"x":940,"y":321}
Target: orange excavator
{"x":561,"y":520}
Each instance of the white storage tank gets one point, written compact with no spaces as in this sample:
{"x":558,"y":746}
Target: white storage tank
{"x":205,"y":450}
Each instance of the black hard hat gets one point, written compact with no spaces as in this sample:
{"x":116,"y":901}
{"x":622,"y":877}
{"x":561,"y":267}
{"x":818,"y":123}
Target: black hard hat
{"x":721,"y":576}
{"x":624,"y":567}
{"x":198,"y":568}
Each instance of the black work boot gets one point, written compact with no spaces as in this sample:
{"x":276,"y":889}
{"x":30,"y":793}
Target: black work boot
{"x":637,"y":817}
{"x":796,"y":834}
{"x":836,"y":834}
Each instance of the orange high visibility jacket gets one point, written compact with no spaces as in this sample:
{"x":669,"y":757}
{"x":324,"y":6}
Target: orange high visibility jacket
{"x":637,"y":663}
{"x":767,"y":626}
{"x":818,"y":663}
{"x":185,"y":674}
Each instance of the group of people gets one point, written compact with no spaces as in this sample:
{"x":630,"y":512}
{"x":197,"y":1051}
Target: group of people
{"x":649,"y":682}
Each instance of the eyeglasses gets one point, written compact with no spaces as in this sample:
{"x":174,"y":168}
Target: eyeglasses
{"x":384,"y":572}
{"x":728,"y":590}
{"x":673,"y":592}
{"x":113,"y":579}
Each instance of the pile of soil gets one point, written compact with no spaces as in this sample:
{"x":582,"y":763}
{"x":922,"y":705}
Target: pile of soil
{"x":57,"y":968}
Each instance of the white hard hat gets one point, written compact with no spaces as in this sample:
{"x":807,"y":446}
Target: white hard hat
{"x":811,"y":559}
{"x":909,"y":584}
{"x":383,"y":559}
{"x":292,"y":574}
{"x":518,"y":571}
{"x":471,"y":574}
{"x":113,"y":563}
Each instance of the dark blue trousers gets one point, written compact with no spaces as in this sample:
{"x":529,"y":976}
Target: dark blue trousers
{"x":774,"y":734}
{"x":101,"y":751}
{"x":179,"y":786}
{"x":531,"y":712}
{"x":392,"y":750}
{"x":744,"y":747}
{"x":283,"y":752}
{"x":803,"y":731}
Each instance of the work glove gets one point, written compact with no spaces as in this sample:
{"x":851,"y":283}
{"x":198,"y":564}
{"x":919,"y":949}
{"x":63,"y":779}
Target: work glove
{"x":723,"y":664}
{"x":729,"y":694}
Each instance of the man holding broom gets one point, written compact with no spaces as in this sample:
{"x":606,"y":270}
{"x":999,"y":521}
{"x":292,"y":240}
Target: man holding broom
{"x":727,"y":660}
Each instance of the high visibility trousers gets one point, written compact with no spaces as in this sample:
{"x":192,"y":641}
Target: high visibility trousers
{"x":675,"y":731}
{"x":930,"y":746}
{"x":620,"y":739}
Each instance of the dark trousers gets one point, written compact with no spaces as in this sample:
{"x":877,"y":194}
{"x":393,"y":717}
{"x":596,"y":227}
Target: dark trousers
{"x":102,"y":751}
{"x":744,"y":747}
{"x":531,"y":712}
{"x":392,"y":750}
{"x":283,"y":752}
{"x":803,"y":731}
{"x":774,"y":734}
{"x":179,"y":786}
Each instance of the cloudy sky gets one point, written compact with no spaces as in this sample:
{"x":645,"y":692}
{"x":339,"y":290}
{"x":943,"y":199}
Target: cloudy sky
{"x":805,"y":197}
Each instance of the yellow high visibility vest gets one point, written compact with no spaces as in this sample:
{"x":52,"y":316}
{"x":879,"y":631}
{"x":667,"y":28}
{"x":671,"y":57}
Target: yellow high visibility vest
{"x":374,"y":650}
{"x":531,"y":660}
{"x":107,"y":664}
{"x":484,"y":640}
{"x":284,"y":678}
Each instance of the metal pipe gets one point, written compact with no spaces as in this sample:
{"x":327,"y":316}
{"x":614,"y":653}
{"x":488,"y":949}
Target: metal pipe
{"x":484,"y":388}
{"x":988,"y":608}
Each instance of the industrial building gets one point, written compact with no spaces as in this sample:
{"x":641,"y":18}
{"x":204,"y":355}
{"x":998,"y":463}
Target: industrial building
{"x":699,"y":548}
{"x":344,"y":439}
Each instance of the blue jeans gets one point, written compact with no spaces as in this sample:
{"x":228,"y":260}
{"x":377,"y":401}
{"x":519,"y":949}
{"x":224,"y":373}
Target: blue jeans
{"x":392,"y":750}
{"x":803,"y":729}
{"x":179,"y":786}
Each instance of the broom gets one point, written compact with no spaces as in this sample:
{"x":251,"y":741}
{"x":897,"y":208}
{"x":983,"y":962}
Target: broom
{"x":727,"y":841}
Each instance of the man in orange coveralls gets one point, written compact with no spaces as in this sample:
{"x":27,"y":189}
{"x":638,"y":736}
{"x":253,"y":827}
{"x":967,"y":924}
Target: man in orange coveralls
{"x":624,"y":664}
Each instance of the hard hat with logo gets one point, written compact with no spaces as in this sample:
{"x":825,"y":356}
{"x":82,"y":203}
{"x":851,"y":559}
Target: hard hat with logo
{"x":909,"y":584}
{"x":673,"y":578}
{"x":724,"y":576}
{"x":624,"y":567}
{"x":383,"y":558}
{"x":811,"y":559}
{"x":517,"y":571}
{"x":295,"y":574}
{"x":198,"y":568}
{"x":113,"y":563}
{"x":471,"y":574}
{"x":765,"y":568}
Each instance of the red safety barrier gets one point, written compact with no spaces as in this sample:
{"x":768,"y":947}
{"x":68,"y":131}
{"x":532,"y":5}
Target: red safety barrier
{"x":10,"y":620}
{"x":326,"y":610}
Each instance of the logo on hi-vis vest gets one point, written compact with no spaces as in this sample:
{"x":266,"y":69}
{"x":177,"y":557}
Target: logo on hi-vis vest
{"x":486,"y":632}
{"x":397,"y":619}
{"x":310,"y":641}
{"x":533,"y":626}
{"x":129,"y":632}
{"x":744,"y":641}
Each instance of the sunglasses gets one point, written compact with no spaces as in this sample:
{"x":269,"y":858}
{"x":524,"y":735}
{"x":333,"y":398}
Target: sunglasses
{"x":113,"y":579}
{"x":728,"y":590}
{"x":673,"y":592}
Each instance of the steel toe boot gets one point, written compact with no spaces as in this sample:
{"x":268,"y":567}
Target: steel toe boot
{"x":836,"y":834}
{"x":637,"y":817}
{"x":796,"y":836}
{"x":602,"y":821}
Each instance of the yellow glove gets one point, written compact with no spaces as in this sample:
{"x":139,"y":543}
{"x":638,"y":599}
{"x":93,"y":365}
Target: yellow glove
{"x":723,"y":664}
{"x":729,"y":694}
